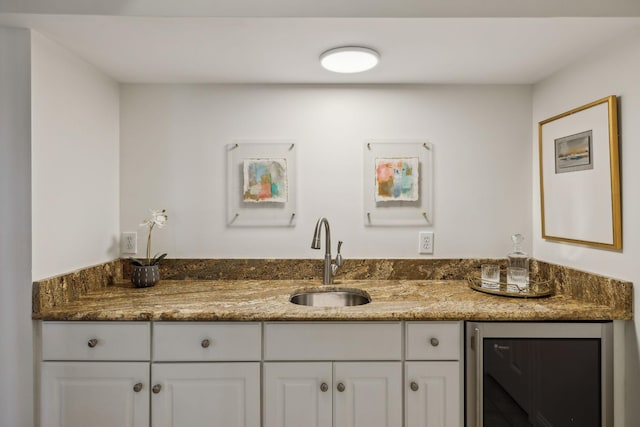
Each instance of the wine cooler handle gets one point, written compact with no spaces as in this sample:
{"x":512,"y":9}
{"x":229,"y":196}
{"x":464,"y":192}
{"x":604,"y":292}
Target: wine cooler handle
{"x":478,"y":343}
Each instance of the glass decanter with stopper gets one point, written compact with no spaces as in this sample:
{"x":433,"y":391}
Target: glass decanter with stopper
{"x":518,"y":266}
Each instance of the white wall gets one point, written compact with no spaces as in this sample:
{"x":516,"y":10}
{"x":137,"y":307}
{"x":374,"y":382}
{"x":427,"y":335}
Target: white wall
{"x":173,"y":157}
{"x":16,"y":373}
{"x":75,"y":152}
{"x":613,"y":70}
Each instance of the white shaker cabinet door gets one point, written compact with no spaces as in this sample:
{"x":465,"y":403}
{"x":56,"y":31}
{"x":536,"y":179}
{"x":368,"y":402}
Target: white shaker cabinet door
{"x":368,"y":394}
{"x":297,"y":394}
{"x":206,"y":394}
{"x":433,"y":394}
{"x":95,"y":394}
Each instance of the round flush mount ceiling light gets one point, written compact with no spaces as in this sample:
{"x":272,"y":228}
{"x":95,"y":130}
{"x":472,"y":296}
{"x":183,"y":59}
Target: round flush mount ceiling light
{"x":349,"y":59}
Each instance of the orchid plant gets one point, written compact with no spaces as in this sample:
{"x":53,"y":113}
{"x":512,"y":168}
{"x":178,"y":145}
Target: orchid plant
{"x":159,"y":218}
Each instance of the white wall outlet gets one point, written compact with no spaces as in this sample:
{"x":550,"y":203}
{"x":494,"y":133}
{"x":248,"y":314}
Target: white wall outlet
{"x":129,"y":242}
{"x":425,"y":242}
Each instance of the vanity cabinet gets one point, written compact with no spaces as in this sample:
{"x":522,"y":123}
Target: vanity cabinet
{"x":251,"y":374}
{"x":354,"y":394}
{"x":96,"y":394}
{"x":103,"y":374}
{"x":324,"y":374}
{"x":370,"y":395}
{"x":434,"y":374}
{"x":433,"y":397}
{"x":298,"y":394}
{"x":95,"y":374}
{"x":206,"y":374}
{"x":203,"y":394}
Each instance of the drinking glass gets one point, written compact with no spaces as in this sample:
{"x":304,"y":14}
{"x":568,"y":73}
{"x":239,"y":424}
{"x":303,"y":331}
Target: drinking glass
{"x":517,"y":279}
{"x":490,"y":277}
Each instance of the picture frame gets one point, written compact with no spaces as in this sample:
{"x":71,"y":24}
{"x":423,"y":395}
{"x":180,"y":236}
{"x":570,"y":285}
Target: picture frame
{"x":261,"y":183}
{"x":580,"y":176}
{"x":398,"y":183}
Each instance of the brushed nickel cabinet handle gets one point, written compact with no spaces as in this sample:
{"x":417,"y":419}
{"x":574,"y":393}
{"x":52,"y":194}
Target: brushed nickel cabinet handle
{"x":137,"y":388}
{"x":340,"y":387}
{"x":156,"y":388}
{"x":324,"y":387}
{"x":205,"y":343}
{"x":92,"y":342}
{"x":434,"y":342}
{"x":414,"y":386}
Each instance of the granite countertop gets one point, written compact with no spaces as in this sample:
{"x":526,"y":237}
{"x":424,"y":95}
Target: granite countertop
{"x":268,"y":300}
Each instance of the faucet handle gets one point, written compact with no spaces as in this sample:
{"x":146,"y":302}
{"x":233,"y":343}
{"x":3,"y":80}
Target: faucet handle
{"x":339,"y":260}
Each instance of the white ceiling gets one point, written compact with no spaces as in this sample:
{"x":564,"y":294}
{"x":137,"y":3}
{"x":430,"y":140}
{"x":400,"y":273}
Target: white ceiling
{"x":329,"y":8}
{"x":286,"y":50}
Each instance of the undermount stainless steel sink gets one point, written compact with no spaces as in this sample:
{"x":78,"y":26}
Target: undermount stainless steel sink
{"x":330,"y":297}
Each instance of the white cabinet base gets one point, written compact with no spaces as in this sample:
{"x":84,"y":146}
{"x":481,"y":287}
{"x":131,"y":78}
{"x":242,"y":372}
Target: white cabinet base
{"x":271,"y":374}
{"x":94,"y":394}
{"x":437,"y":398}
{"x":340,"y":394}
{"x":206,"y":394}
{"x":372,"y":395}
{"x":294,"y":395}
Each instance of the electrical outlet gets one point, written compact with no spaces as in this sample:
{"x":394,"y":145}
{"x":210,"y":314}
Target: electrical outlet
{"x":129,"y":242}
{"x":425,"y":242}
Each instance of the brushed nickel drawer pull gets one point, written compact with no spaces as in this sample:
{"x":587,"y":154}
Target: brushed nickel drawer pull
{"x":414,"y":386}
{"x":92,"y":342}
{"x":137,"y":388}
{"x":434,"y":342}
{"x":324,"y":387}
{"x":341,"y":387}
{"x":156,"y":388}
{"x":205,"y":343}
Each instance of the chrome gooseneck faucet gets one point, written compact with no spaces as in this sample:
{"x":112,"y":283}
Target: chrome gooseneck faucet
{"x":330,"y":269}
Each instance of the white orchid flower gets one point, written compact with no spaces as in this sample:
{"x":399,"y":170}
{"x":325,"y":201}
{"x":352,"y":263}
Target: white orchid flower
{"x":158,"y":217}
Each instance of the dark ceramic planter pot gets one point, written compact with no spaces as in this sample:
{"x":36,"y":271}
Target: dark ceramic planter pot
{"x":144,"y":276}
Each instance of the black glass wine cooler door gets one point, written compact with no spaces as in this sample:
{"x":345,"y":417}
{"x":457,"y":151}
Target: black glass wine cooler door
{"x":539,"y":374}
{"x":541,"y":382}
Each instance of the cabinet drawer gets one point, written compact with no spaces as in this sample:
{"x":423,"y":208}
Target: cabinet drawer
{"x":95,"y":340}
{"x":333,"y":341}
{"x":433,"y":340}
{"x":187,"y":341}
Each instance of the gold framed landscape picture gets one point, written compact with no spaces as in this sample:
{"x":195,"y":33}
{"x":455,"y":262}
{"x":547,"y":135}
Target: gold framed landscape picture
{"x":580,"y":176}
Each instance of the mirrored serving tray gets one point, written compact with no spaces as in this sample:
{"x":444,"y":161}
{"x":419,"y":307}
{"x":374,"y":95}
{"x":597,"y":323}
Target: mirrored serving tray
{"x":536,"y":289}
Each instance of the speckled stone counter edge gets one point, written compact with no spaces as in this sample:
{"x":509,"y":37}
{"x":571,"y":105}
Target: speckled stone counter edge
{"x":58,"y":290}
{"x":55,"y":291}
{"x":588,"y":287}
{"x":579,"y":285}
